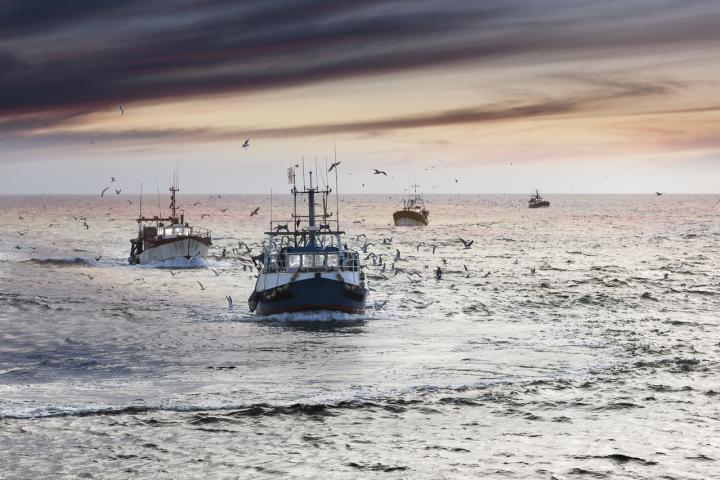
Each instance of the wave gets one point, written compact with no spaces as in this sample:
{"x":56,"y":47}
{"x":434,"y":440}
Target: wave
{"x":58,"y":261}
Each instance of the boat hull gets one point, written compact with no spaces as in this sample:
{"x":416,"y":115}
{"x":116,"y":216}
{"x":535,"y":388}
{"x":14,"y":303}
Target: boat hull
{"x":406,"y":218}
{"x":313,"y":294}
{"x":542,"y":204}
{"x":184,"y":252}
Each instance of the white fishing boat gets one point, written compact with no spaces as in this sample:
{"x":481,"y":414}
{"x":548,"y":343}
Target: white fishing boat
{"x":169,"y":241}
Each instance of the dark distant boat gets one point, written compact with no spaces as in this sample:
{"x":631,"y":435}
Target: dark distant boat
{"x":305,"y":266}
{"x":536,"y":201}
{"x":169,"y":241}
{"x":413,"y":213}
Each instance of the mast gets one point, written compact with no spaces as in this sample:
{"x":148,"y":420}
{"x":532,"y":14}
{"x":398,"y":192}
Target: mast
{"x":311,"y":212}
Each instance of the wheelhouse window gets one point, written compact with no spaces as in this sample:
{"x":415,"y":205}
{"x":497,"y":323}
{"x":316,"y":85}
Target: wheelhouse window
{"x":293,"y":262}
{"x":307,"y":260}
{"x":332,"y":260}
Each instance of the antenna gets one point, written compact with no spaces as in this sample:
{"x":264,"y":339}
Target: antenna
{"x":141,"y":191}
{"x":337,"y":194}
{"x":157,"y":185}
{"x":271,"y":217}
{"x":303,"y":162}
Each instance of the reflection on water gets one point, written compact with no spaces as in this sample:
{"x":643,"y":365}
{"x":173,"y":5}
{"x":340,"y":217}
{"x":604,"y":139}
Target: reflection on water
{"x":574,"y":341}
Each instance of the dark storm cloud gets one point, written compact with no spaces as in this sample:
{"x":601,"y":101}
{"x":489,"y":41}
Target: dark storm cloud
{"x":61,"y":57}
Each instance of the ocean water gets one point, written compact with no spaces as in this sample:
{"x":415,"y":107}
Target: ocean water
{"x":579,"y":341}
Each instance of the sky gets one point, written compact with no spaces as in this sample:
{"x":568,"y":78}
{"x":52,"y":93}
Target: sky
{"x":459,"y":96}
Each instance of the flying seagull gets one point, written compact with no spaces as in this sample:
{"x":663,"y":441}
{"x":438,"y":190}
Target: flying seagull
{"x":246,"y":144}
{"x":658,"y":193}
{"x":255,"y":212}
{"x":333,"y":166}
{"x":379,"y":172}
{"x":467,"y":243}
{"x":229,"y":300}
{"x":201,"y":285}
{"x":204,"y":215}
{"x":112,"y":179}
{"x":117,"y":191}
{"x":102,"y":194}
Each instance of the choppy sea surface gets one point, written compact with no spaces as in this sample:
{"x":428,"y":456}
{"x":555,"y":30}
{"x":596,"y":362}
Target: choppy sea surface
{"x":579,"y":341}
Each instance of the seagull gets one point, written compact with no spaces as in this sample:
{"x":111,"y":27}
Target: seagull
{"x":438,"y":273}
{"x":215,"y":272}
{"x":532,"y":270}
{"x":467,"y":244}
{"x":88,"y":275}
{"x":397,"y":255}
{"x":246,"y":144}
{"x":387,"y":241}
{"x":97,"y":259}
{"x":366,"y":245}
{"x":434,"y":247}
{"x":139,"y":279}
{"x":122,"y":110}
{"x":112,"y":179}
{"x":465,"y":267}
{"x":23,"y":233}
{"x":103,"y":192}
{"x":201,"y":285}
{"x":196,"y":204}
{"x":223,"y":210}
{"x":658,"y":193}
{"x":487,"y":274}
{"x":378,"y":172}
{"x":87,"y":227}
{"x":333,"y":166}
{"x":117,"y":191}
{"x":229,"y":300}
{"x":255,"y":212}
{"x":204,"y":215}
{"x":172,"y":274}
{"x":379,"y":305}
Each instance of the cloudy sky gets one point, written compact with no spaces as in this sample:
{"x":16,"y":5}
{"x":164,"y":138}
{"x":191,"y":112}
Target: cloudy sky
{"x":502,"y":95}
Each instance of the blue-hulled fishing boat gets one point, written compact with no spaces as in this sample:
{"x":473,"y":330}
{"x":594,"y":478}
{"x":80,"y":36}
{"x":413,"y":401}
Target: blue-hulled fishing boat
{"x":305,"y":265}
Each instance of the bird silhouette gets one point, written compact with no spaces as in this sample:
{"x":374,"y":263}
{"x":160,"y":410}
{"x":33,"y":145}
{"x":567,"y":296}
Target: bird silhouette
{"x":246,"y":144}
{"x":255,"y":212}
{"x":102,"y":194}
{"x":201,"y":285}
{"x":467,"y":243}
{"x":378,"y":172}
{"x":333,"y":166}
{"x":117,"y":191}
